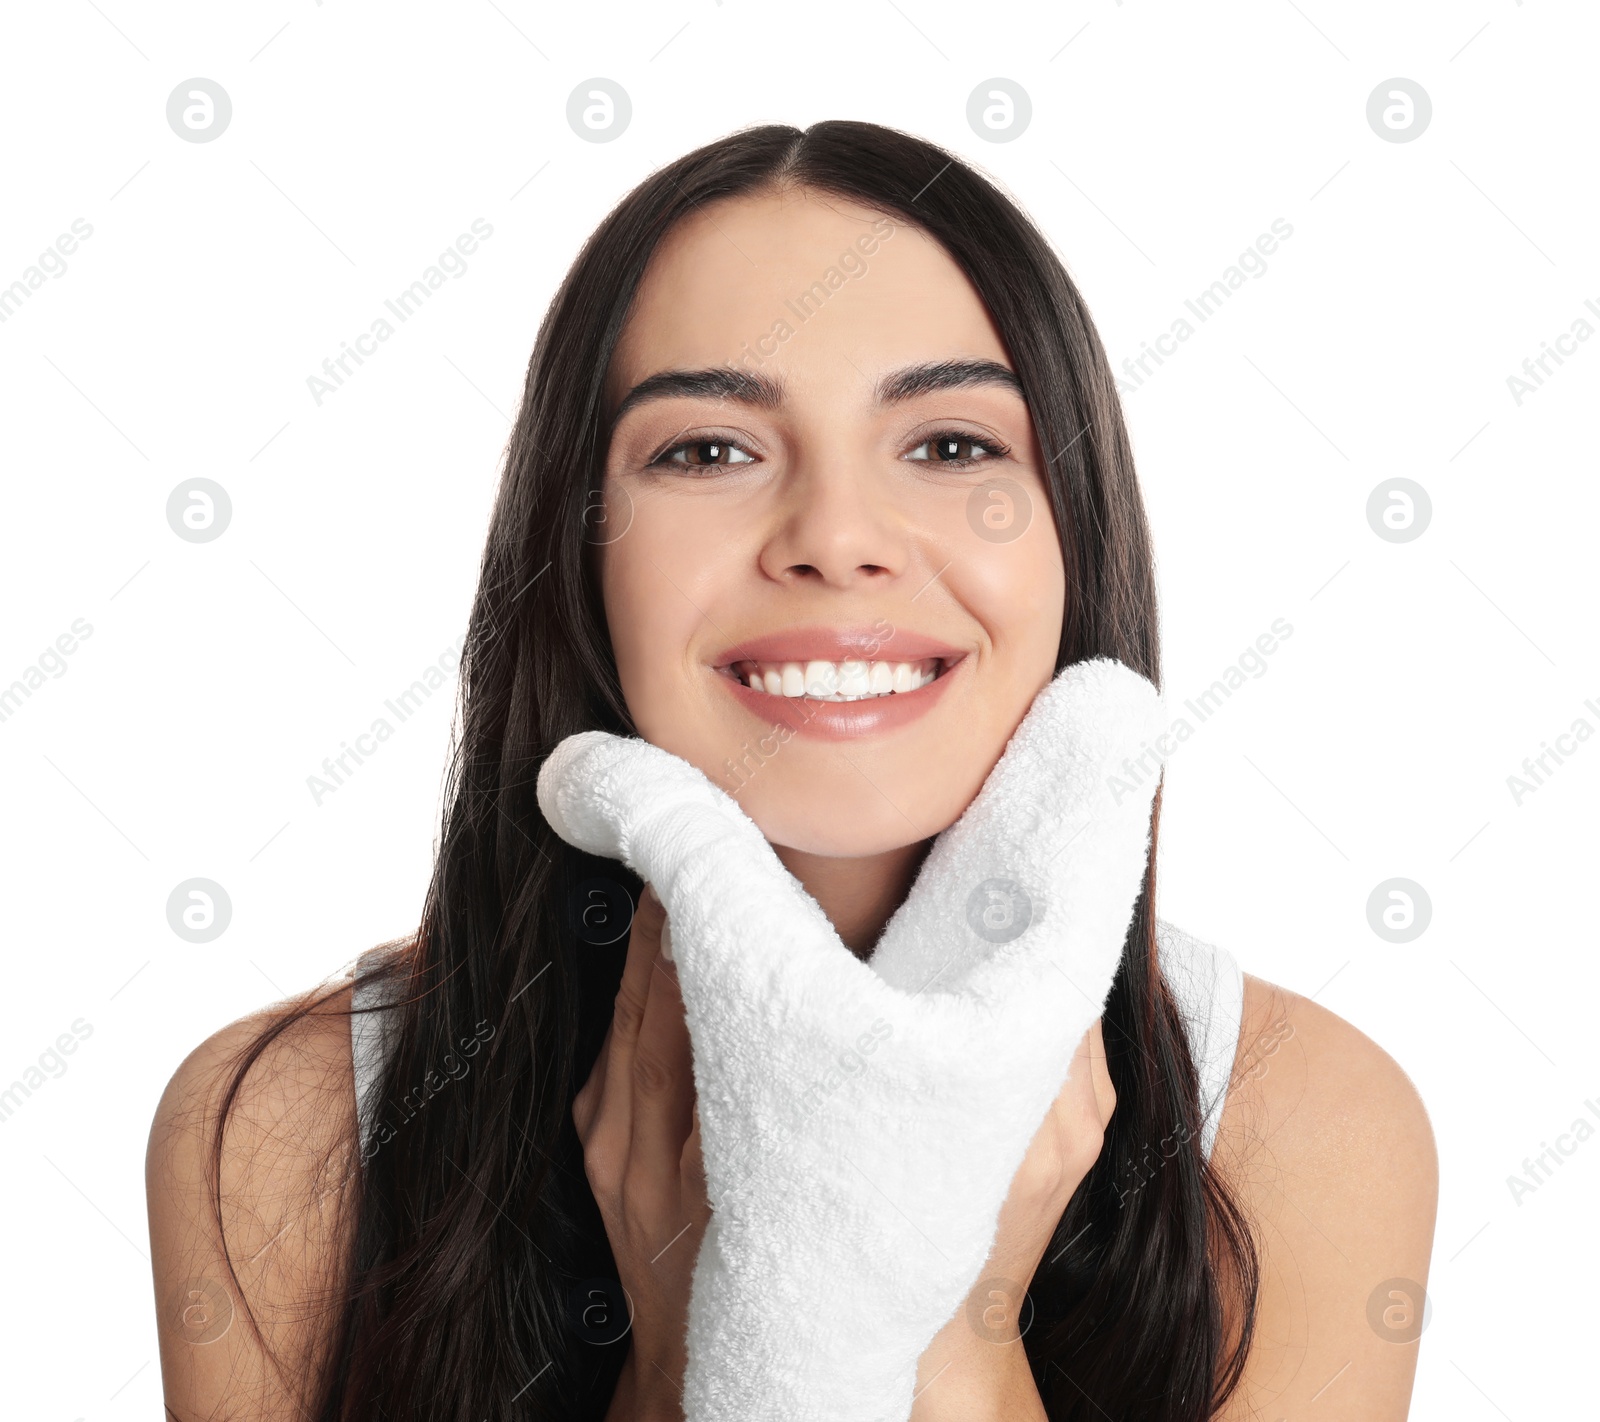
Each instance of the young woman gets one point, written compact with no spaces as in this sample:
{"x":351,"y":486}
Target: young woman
{"x":805,"y":400}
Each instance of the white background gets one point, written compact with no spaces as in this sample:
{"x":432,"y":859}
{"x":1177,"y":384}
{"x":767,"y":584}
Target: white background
{"x":1165,"y":138}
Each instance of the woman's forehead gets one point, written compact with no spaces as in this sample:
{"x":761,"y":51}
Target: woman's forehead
{"x":797,"y":285}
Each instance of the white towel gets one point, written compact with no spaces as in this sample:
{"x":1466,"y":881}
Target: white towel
{"x":861,"y":1123}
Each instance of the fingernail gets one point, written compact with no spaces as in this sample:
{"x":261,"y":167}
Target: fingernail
{"x":666,"y":939}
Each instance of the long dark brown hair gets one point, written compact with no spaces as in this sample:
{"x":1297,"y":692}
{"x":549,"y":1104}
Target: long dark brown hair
{"x":477,"y":1275}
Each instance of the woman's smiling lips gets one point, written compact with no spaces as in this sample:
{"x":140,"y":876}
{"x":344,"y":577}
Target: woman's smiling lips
{"x":887,"y":679}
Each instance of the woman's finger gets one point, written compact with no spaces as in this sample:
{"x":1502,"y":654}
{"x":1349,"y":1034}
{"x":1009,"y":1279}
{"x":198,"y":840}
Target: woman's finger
{"x":1070,"y":1140}
{"x":586,"y":1103}
{"x":663,"y":1077}
{"x":694,"y":1161}
{"x":627,"y":1018}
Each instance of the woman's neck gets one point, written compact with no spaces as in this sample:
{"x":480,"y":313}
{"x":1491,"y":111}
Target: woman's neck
{"x":859,"y":895}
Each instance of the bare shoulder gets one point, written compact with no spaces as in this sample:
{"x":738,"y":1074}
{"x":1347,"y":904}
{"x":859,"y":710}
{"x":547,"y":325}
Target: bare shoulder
{"x":246,"y":1229}
{"x":1329,"y":1149}
{"x":1304,"y":1074}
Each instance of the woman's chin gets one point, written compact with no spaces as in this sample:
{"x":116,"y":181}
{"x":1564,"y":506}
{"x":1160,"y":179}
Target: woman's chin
{"x":858,"y":833}
{"x":839,"y":847}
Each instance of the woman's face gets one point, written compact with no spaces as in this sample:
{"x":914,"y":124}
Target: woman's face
{"x":823,"y":480}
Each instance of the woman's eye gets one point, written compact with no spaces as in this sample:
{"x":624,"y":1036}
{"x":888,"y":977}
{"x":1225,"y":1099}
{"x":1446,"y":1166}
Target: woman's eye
{"x":700,"y":452}
{"x":955,"y":450}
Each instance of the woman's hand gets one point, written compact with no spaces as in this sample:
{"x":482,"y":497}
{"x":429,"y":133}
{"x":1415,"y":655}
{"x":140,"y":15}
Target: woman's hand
{"x":976,"y":1367}
{"x":636,"y":1118}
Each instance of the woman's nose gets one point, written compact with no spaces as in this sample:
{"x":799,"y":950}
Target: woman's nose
{"x":837,"y":523}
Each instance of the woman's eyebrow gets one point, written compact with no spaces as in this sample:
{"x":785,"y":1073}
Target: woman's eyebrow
{"x":714,"y":383}
{"x":913,"y":380}
{"x":749,"y":387}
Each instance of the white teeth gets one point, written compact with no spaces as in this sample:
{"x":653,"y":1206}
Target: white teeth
{"x":849,"y":680}
{"x":853,"y":679}
{"x":822,"y":679}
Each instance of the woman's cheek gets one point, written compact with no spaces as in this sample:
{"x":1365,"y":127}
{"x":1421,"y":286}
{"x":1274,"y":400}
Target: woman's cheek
{"x":1017,"y":591}
{"x":638,"y":617}
{"x":659,"y":584}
